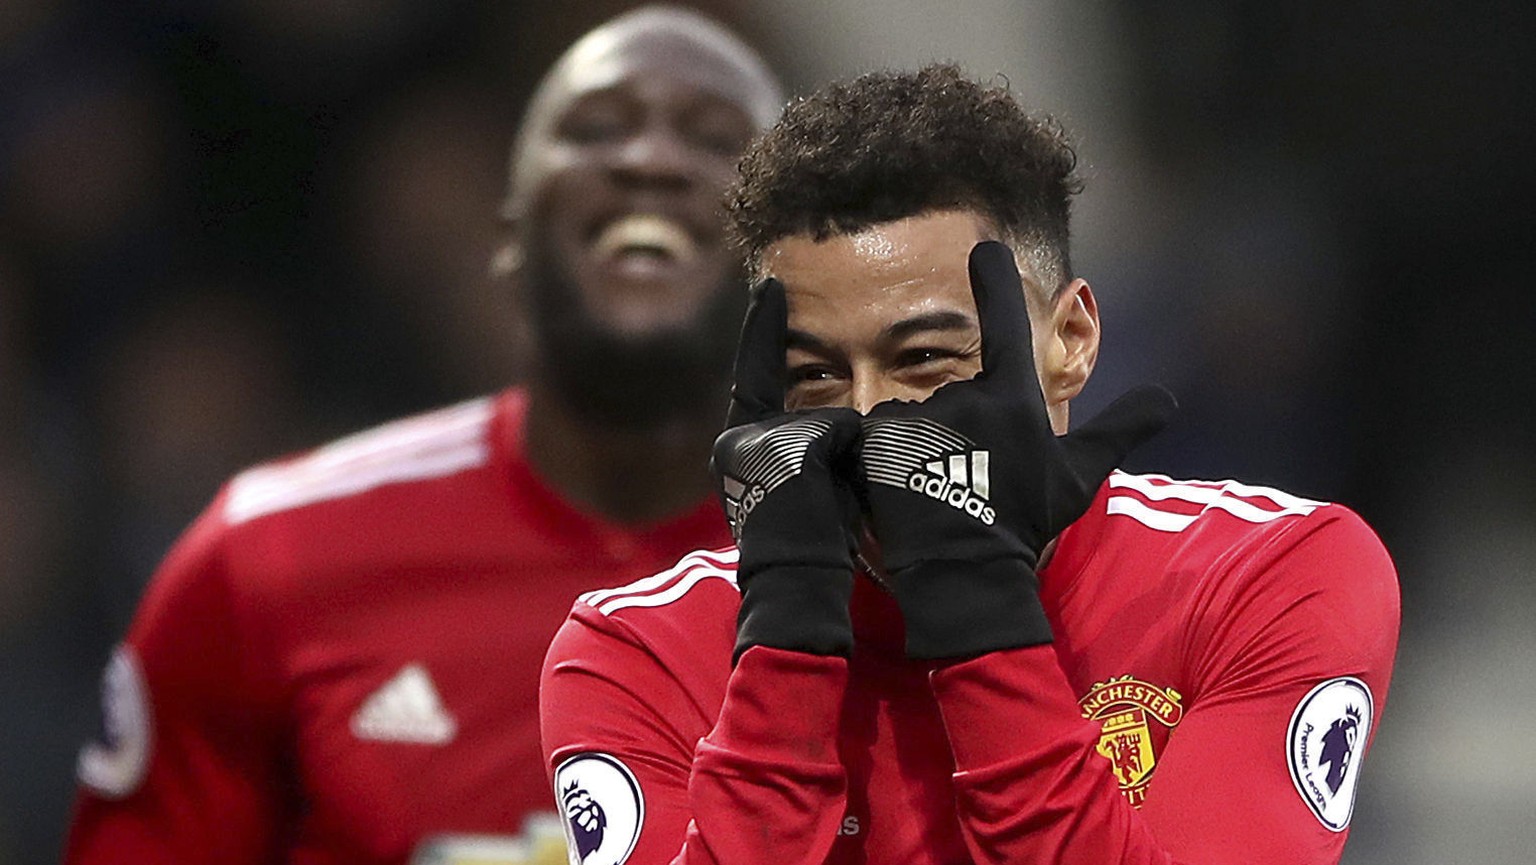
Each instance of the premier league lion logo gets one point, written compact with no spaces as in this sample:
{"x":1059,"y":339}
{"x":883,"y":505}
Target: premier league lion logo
{"x":1339,"y":747}
{"x":586,"y":818}
{"x":602,"y":808}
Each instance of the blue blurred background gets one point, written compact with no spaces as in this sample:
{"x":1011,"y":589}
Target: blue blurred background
{"x":232,"y":229}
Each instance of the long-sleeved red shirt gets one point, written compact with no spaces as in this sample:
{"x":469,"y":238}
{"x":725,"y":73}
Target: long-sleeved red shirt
{"x":339,"y":662}
{"x":1222,"y":653}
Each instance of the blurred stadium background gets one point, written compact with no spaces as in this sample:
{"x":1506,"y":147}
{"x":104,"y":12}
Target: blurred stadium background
{"x":232,"y":229}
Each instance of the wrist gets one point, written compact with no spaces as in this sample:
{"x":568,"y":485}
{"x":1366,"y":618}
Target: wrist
{"x":963,"y":609}
{"x":799,"y":608}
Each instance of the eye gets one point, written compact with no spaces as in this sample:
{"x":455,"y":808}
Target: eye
{"x":924,"y":355}
{"x":815,"y":385}
{"x":720,"y":145}
{"x":595,"y":120}
{"x":811,"y":372}
{"x":931,"y":366}
{"x":718,"y":128}
{"x":593,"y":129}
{"x":721,"y":138}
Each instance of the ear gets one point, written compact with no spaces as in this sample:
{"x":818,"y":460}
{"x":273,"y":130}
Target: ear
{"x":506,"y":272}
{"x":507,"y":260}
{"x":1071,"y":347}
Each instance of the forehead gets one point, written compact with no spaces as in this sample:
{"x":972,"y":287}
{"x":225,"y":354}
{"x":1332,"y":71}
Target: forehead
{"x":677,"y":58}
{"x":881,"y":275}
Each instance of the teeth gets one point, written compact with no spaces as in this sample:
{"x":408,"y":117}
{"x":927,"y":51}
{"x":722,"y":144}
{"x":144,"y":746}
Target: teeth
{"x":647,"y":232}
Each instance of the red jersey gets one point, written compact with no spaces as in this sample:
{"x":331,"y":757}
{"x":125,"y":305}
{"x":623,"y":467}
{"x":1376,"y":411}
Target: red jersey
{"x":339,"y":661}
{"x":1222,"y":653}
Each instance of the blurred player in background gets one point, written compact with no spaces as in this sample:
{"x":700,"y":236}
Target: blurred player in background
{"x":338,"y":661}
{"x":950,"y":632}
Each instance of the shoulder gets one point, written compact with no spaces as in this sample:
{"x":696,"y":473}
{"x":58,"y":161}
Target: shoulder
{"x":1262,"y":566}
{"x":1221,"y":524}
{"x":642,"y":668}
{"x":412,"y":450}
{"x":676,"y":617}
{"x":1230,"y":546}
{"x":193,"y":658}
{"x":671,"y":591}
{"x":1163,"y":504}
{"x":392,"y":493}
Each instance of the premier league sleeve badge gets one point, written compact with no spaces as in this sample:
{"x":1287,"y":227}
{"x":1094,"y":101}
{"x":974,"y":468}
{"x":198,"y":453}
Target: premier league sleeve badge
{"x":602,"y":806}
{"x":114,"y":763}
{"x":1324,"y":745}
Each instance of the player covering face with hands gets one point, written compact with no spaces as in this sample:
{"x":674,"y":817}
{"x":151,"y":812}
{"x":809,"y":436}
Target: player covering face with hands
{"x":950,"y":630}
{"x":961,"y":558}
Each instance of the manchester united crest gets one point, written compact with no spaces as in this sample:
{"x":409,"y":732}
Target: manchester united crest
{"x":1136,"y":717}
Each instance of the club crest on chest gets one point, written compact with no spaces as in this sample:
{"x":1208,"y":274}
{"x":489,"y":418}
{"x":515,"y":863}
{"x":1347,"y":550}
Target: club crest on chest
{"x":1135,"y":718}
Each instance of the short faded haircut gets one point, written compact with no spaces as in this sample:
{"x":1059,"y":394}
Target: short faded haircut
{"x":890,"y":145}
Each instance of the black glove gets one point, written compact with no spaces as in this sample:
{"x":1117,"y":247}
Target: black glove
{"x":792,"y":516}
{"x":966,"y":488}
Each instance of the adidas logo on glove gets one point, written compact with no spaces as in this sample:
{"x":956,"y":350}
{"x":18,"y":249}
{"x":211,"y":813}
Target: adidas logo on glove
{"x":922,"y":456}
{"x":740,"y":499}
{"x":960,"y":481}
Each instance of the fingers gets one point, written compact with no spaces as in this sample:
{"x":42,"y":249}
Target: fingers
{"x":1007,"y":351}
{"x":1100,"y":445}
{"x":846,"y":430}
{"x":758,"y":391}
{"x":839,"y":455}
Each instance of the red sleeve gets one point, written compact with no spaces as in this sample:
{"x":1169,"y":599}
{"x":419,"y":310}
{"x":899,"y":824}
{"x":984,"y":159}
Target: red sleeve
{"x":187,"y":768}
{"x":1031,"y":788}
{"x":621,"y":735}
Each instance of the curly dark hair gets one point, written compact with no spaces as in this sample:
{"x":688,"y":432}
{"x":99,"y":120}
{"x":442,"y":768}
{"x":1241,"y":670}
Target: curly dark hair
{"x":890,"y":145}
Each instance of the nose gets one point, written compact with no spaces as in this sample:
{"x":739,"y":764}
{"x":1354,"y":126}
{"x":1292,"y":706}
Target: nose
{"x":654,"y":157}
{"x":869,"y":389}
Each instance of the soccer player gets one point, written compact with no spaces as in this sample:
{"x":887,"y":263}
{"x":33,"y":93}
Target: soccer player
{"x":948,"y":631}
{"x":338,"y":662}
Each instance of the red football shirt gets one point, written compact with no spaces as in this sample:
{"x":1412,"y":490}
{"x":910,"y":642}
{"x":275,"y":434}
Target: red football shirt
{"x":339,"y":661}
{"x":1222,"y":653}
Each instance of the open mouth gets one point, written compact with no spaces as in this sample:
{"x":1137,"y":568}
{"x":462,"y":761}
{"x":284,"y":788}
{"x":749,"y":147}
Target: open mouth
{"x":646,"y":238}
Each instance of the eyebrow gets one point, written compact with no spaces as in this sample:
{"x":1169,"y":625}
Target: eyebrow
{"x":699,"y":98}
{"x":800,"y":339}
{"x":943,"y":320}
{"x":895,"y":332}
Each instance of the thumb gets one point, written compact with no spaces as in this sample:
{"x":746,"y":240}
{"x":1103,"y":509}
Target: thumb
{"x":757,"y":391}
{"x":847,"y":427}
{"x":1100,"y":445}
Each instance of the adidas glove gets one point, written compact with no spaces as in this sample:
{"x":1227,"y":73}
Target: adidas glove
{"x":791,"y":516}
{"x":966,"y":488}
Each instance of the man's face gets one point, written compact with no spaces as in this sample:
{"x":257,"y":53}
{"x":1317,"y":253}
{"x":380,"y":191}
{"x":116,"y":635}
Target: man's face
{"x":886,"y":313}
{"x":626,"y":156}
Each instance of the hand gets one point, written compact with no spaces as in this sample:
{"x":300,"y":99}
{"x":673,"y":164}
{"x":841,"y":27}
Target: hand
{"x":780,"y":476}
{"x":966,"y":488}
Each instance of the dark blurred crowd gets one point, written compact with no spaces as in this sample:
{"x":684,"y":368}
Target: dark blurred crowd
{"x":234,"y":229}
{"x":227,"y":231}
